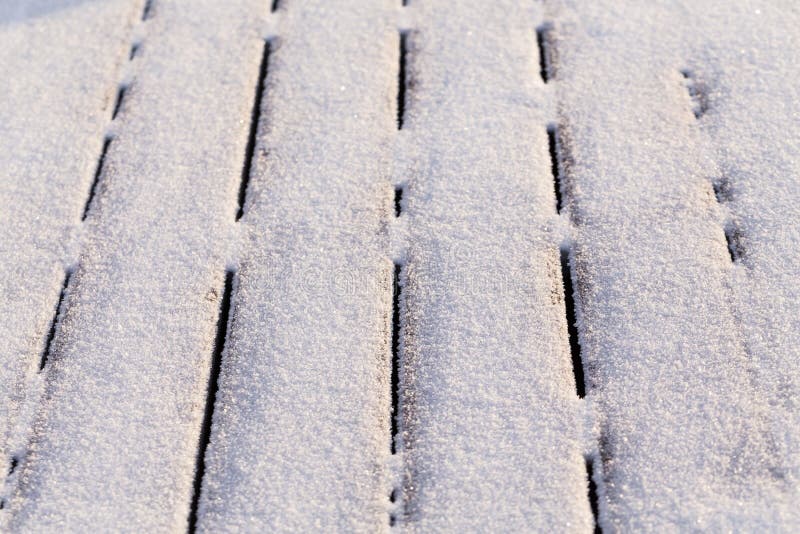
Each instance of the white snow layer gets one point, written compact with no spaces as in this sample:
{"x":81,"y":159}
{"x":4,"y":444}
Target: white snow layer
{"x":677,"y":125}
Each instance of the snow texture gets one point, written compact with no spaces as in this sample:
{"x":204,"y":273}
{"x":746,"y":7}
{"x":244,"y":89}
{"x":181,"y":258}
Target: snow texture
{"x":301,"y":434}
{"x":676,"y":128}
{"x":487,"y":381}
{"x":61,"y":64}
{"x":692,"y":358}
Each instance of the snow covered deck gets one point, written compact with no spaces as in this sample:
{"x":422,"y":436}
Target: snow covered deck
{"x":354,"y":265}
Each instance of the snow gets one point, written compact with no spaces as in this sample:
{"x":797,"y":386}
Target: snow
{"x":691,"y":357}
{"x":488,"y":387}
{"x":116,"y":429}
{"x":302,"y":439}
{"x":691,"y":361}
{"x":57,"y":86}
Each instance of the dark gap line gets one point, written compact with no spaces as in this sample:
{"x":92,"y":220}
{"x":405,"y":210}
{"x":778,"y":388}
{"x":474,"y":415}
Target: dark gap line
{"x":97,"y":173}
{"x":14,"y":463}
{"x":402,"y":87}
{"x":134,"y":51}
{"x":730,"y":240}
{"x":211,"y":397}
{"x":718,"y":192}
{"x":255,"y":116}
{"x":398,"y":200}
{"x":572,"y":329}
{"x":392,"y":499}
{"x":276,"y":4}
{"x":722,"y":190}
{"x":555,"y":169}
{"x":541,"y":42}
{"x":395,"y":378}
{"x":12,"y":468}
{"x":48,"y":344}
{"x":147,"y":11}
{"x":118,"y":103}
{"x":592,"y":495}
{"x":698,"y":92}
{"x":402,"y":81}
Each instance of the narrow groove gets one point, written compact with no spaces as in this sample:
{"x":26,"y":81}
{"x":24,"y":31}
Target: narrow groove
{"x":276,"y":4}
{"x":723,"y":190}
{"x":401,"y":81}
{"x":395,"y":378}
{"x":13,"y":467}
{"x":593,"y":494}
{"x":572,"y":329}
{"x":730,"y":240}
{"x":541,"y":42}
{"x":555,"y":169}
{"x":134,"y":51}
{"x":147,"y":11}
{"x":398,"y":200}
{"x":97,"y":173}
{"x":255,"y":116}
{"x":392,"y":499}
{"x":211,"y":397}
{"x":718,"y":191}
{"x":48,"y":344}
{"x":118,"y":103}
{"x":698,"y":92}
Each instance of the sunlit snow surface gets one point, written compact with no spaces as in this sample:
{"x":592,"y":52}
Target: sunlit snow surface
{"x":676,"y":127}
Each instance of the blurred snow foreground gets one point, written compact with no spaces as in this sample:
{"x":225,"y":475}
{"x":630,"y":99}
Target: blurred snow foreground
{"x":364,"y":266}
